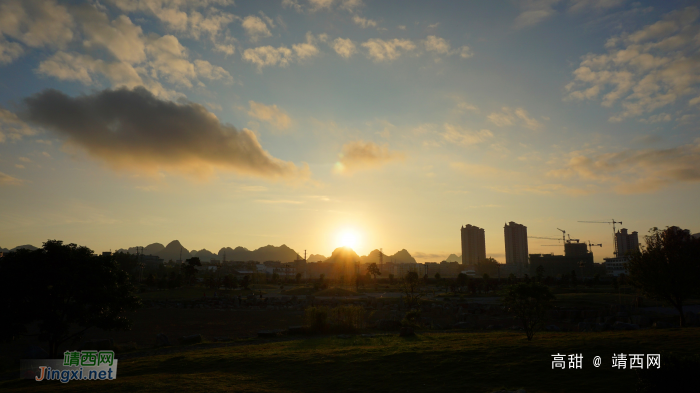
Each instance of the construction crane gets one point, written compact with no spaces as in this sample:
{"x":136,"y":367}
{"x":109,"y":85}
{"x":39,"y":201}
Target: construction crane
{"x":594,"y":245}
{"x":573,"y":240}
{"x":613,"y":222}
{"x":563,"y":234}
{"x":545,"y":238}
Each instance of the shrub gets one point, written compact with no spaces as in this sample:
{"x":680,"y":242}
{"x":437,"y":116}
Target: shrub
{"x":341,"y":319}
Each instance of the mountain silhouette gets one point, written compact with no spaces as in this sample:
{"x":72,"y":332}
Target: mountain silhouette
{"x":282,"y":253}
{"x":172,"y":252}
{"x":400,"y":257}
{"x":343,"y":255}
{"x":26,"y":246}
{"x":204,"y":255}
{"x":454,"y":258}
{"x":316,"y":258}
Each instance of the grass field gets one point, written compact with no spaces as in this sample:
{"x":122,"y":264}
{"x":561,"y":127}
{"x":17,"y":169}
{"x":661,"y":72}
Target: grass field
{"x":438,"y":362}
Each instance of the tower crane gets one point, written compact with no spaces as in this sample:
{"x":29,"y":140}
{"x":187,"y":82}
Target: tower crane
{"x":563,"y":234}
{"x":571,"y":240}
{"x":613,"y":222}
{"x":545,"y":238}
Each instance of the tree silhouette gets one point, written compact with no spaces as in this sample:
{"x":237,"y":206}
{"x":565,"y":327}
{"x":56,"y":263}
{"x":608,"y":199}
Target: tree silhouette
{"x":189,"y":269}
{"x":373,"y":269}
{"x":64,"y":290}
{"x":668,"y":268}
{"x":529,"y":302}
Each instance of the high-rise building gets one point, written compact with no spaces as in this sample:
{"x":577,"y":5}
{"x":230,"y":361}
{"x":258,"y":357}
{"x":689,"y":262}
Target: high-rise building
{"x":625,"y":242}
{"x":572,"y":249}
{"x":516,"y":247}
{"x":473,"y":245}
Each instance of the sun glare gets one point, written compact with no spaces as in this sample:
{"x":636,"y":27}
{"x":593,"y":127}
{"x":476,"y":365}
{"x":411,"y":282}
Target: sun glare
{"x":348,"y":238}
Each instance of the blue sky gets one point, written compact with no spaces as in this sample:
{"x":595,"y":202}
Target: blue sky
{"x":397,"y":122}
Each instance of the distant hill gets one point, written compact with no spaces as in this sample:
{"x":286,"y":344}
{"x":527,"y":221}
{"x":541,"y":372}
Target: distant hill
{"x":343,"y":255}
{"x":204,"y":255}
{"x":267,"y":253}
{"x":4,"y":250}
{"x":26,"y":246}
{"x":172,"y":251}
{"x":151,"y":249}
{"x":316,"y":258}
{"x":454,"y":258}
{"x":400,"y":257}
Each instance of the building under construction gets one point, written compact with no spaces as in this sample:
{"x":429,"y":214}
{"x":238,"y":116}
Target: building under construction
{"x":577,"y":257}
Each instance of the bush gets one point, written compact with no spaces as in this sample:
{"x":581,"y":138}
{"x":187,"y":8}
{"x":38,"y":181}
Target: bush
{"x":342,"y":319}
{"x":411,"y":319}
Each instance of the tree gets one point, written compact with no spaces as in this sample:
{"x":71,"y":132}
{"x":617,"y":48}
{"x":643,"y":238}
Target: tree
{"x":540,"y":273}
{"x":373,"y":269}
{"x":391,"y":278}
{"x":529,"y":302}
{"x":62,"y":290}
{"x":461,"y":280}
{"x":573,"y":278}
{"x":410,"y":288}
{"x":437,"y":276}
{"x":486,"y":282}
{"x":245,"y":282}
{"x":298,"y":278}
{"x":668,"y":268}
{"x":189,"y":270}
{"x":151,"y":280}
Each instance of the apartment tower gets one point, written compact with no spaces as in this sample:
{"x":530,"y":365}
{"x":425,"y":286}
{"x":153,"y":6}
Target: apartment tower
{"x":516,"y":247}
{"x":473,"y":245}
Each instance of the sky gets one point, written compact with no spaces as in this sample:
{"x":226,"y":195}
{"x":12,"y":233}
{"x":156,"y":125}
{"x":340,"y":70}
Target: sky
{"x":323,"y":123}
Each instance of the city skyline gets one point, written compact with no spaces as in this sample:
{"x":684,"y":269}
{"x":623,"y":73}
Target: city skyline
{"x":319,"y":124}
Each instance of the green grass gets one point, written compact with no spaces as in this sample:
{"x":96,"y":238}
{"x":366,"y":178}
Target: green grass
{"x":469,"y":362}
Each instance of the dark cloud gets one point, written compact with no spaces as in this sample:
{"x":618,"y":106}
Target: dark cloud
{"x":133,"y":129}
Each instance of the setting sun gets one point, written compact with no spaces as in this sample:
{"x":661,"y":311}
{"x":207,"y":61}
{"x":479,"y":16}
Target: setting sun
{"x":348,"y":238}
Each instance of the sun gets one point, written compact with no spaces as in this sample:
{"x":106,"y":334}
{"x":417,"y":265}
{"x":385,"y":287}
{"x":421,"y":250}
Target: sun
{"x":349,"y":238}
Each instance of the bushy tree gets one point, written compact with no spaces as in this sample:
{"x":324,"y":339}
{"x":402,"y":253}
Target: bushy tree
{"x":63,"y":290}
{"x":189,"y":270}
{"x":668,"y":268}
{"x":540,"y":273}
{"x":373,"y":269}
{"x":529,"y":302}
{"x":410,"y":288}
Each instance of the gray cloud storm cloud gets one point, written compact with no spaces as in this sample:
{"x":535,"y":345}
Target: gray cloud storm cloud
{"x":134,"y":130}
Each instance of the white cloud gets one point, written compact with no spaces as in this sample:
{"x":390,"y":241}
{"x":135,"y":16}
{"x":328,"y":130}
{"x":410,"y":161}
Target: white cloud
{"x":458,"y":135}
{"x":657,"y":118}
{"x":209,"y":71}
{"x":291,"y":4}
{"x":271,"y":114}
{"x":437,"y":45}
{"x":534,"y":12}
{"x":344,"y":47}
{"x":636,"y":171}
{"x":264,"y":56}
{"x":645,"y":70}
{"x":360,"y":155}
{"x":121,"y":37}
{"x":380,"y":50}
{"x":306,"y":50}
{"x":509,"y":117}
{"x":9,"y":51}
{"x":598,"y":5}
{"x":351,"y":5}
{"x":320,"y":4}
{"x":7,"y":180}
{"x":181,"y":15}
{"x":255,"y":28}
{"x":36,"y":23}
{"x":364,"y":22}
{"x":465,"y":52}
{"x":11,"y":127}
